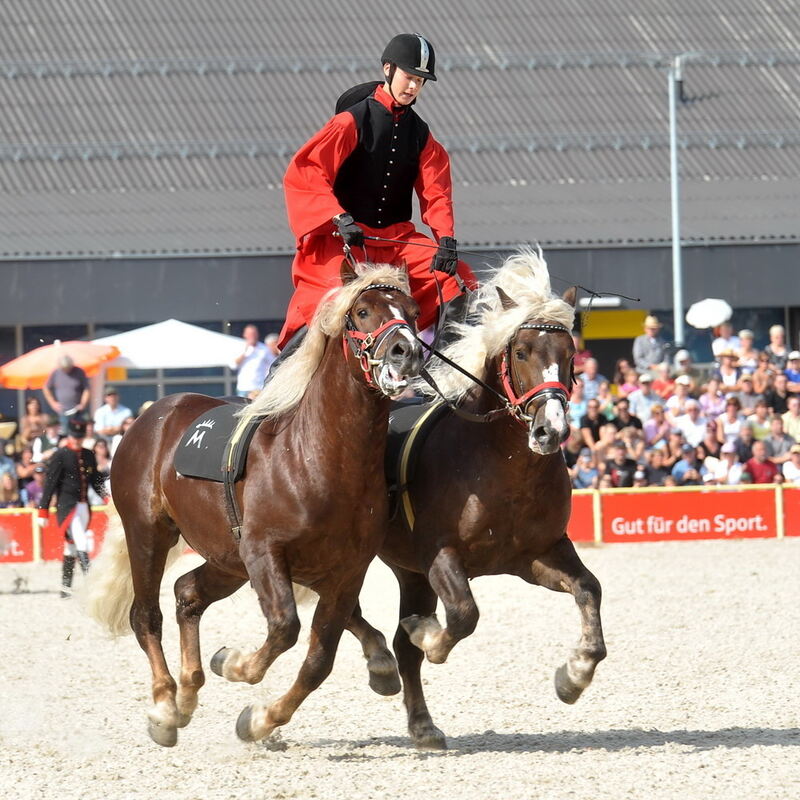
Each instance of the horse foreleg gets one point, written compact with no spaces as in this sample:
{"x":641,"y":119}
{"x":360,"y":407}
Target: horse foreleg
{"x":416,"y":598}
{"x":381,"y":664}
{"x":561,"y":570}
{"x":194,"y":593}
{"x":269,"y":575}
{"x":332,"y":614}
{"x":448,"y":579}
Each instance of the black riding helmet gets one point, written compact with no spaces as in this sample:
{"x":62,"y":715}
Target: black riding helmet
{"x":412,"y":53}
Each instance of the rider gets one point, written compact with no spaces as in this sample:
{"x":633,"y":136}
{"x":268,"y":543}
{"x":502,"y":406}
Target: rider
{"x":355,"y":178}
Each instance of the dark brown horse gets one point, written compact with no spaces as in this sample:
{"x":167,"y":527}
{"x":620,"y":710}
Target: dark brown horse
{"x":494,"y":497}
{"x":313,"y":502}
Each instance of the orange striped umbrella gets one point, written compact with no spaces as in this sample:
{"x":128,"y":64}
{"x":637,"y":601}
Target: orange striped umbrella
{"x":31,"y":370}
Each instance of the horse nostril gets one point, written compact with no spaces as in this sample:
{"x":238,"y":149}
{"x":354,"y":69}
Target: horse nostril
{"x":542,"y":434}
{"x":399,"y":350}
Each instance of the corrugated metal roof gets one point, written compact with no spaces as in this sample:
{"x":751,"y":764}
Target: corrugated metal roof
{"x":140,"y":116}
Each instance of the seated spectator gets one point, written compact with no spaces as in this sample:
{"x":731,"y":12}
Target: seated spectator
{"x":581,"y":354}
{"x":620,"y":467}
{"x":664,"y":383}
{"x":710,"y":441}
{"x":748,"y":355}
{"x":35,"y":487}
{"x":791,"y":418}
{"x":684,"y":366}
{"x":760,"y":420}
{"x":675,"y":404}
{"x":747,"y":396}
{"x":670,"y":481}
{"x":712,"y":401}
{"x":9,"y":491}
{"x":763,"y":375}
{"x":729,"y":423}
{"x":656,"y":429}
{"x":602,"y":449}
{"x":7,"y":464}
{"x":629,"y":384}
{"x":605,"y":482}
{"x":585,"y":475}
{"x":577,"y":405}
{"x":606,"y":400}
{"x":654,"y":469}
{"x":32,"y":422}
{"x":591,"y":379}
{"x":688,"y":471}
{"x":776,"y":351}
{"x":791,"y":469}
{"x":728,"y":471}
{"x":91,"y":437}
{"x":639,"y":479}
{"x":778,"y":443}
{"x":792,"y":372}
{"x":591,"y":422}
{"x":109,"y":417}
{"x":674,"y":451}
{"x":644,"y":398}
{"x":126,"y":423}
{"x":778,"y":396}
{"x":728,"y":372}
{"x":649,"y":349}
{"x":634,"y":442}
{"x":760,"y":468}
{"x":621,"y":369}
{"x":572,"y":447}
{"x":726,"y":340}
{"x":45,"y":445}
{"x":624,"y":418}
{"x":692,"y":424}
{"x":25,"y":467}
{"x":744,"y":444}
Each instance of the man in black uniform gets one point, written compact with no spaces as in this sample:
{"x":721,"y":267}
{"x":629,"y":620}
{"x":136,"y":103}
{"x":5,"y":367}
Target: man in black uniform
{"x":70,"y":472}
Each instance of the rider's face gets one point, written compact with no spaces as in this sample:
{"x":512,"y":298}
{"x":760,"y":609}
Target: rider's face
{"x":404,"y":87}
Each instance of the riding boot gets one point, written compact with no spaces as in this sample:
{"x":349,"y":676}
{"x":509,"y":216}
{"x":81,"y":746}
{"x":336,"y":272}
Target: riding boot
{"x":453,"y":311}
{"x":291,"y":346}
{"x":67,"y":569}
{"x":83,"y":560}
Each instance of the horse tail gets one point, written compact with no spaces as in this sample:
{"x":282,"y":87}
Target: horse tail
{"x":108,"y":590}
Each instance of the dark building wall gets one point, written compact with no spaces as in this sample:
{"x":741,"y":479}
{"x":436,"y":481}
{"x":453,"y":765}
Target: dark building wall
{"x":258,"y":287}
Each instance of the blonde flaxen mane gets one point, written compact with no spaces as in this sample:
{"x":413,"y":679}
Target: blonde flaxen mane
{"x":525,"y":279}
{"x":290,"y":380}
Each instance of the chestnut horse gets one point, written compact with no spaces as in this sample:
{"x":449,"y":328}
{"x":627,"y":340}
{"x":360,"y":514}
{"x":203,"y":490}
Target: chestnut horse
{"x":313,"y":504}
{"x":491,"y":498}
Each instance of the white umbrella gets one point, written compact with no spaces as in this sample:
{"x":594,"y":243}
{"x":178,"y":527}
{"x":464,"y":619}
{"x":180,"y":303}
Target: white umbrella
{"x":708,"y":313}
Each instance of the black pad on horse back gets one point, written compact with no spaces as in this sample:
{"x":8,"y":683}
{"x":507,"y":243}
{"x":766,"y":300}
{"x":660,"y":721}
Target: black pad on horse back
{"x":407,"y":433}
{"x":201,"y":450}
{"x":355,"y":94}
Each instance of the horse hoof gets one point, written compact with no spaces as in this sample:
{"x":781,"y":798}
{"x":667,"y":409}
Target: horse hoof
{"x":243,"y":725}
{"x":424,"y":633}
{"x":385,"y":684}
{"x":567,"y":690}
{"x":165,"y":735}
{"x":218,"y":660}
{"x":430,"y":738}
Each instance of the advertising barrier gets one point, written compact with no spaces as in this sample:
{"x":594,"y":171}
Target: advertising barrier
{"x":653,"y":514}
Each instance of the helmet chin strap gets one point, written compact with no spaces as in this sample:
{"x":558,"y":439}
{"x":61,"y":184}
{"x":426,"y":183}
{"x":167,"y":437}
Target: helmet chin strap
{"x":389,"y":78}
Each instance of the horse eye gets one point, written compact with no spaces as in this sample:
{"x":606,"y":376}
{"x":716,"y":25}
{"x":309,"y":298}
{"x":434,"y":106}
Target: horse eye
{"x":520,"y":355}
{"x":363,"y":313}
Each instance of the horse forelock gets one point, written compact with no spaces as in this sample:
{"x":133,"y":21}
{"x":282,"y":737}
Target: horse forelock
{"x":290,"y":380}
{"x":524,"y":277}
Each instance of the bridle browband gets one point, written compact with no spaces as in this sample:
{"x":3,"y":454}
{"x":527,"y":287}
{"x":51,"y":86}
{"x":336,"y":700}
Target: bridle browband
{"x":362,"y":344}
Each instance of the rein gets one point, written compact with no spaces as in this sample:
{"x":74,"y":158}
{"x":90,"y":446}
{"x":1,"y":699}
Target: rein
{"x":362,"y":344}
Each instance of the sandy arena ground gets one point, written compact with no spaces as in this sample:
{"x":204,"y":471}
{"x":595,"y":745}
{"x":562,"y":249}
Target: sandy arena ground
{"x":698,"y":697}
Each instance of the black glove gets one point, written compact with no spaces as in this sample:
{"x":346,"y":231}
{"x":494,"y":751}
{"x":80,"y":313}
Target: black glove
{"x":351,"y":233}
{"x":446,"y":258}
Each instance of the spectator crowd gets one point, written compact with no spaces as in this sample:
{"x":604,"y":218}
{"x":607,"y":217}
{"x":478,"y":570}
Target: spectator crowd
{"x":655,"y":423}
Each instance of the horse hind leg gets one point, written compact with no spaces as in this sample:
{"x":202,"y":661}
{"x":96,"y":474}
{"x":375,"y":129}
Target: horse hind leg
{"x":561,"y":570}
{"x":194,"y":593}
{"x":381,"y":664}
{"x":149,"y":546}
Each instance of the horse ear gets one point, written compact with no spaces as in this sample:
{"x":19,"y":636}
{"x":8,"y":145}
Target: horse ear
{"x":507,"y":302}
{"x":571,"y":295}
{"x":347,"y":272}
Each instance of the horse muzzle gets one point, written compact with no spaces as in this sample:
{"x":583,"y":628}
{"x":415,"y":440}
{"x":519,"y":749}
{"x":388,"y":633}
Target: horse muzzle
{"x":402,"y":359}
{"x":548,"y":428}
